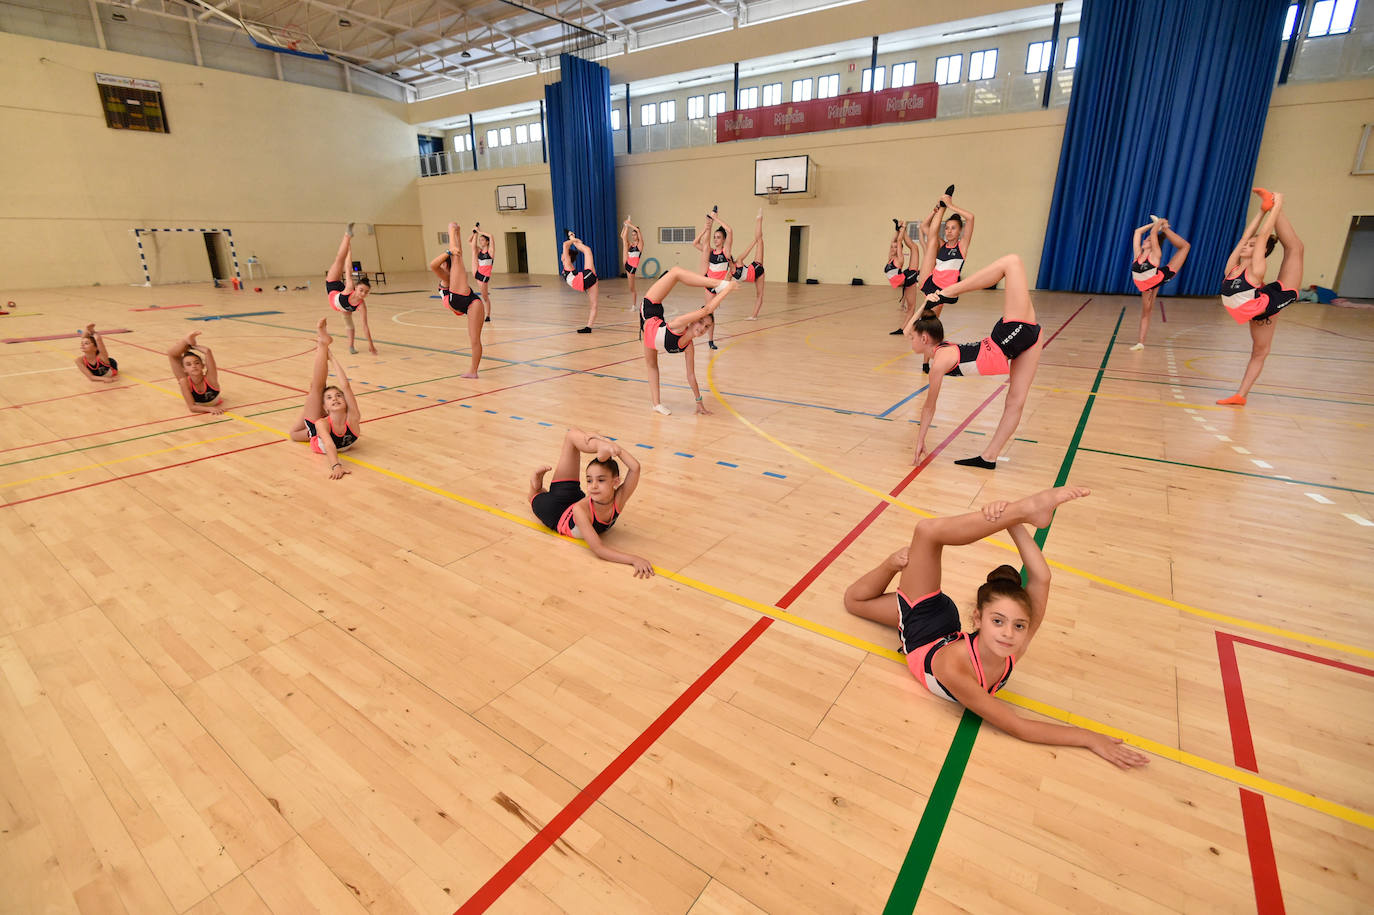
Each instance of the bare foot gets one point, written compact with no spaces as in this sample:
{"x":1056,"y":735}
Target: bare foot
{"x":468,"y":375}
{"x":190,"y":338}
{"x":90,"y":329}
{"x":898,"y":559}
{"x":537,"y":479}
{"x":1040,"y":507}
{"x":322,"y":334}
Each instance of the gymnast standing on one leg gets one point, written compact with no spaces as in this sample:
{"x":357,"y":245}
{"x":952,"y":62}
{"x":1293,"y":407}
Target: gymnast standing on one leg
{"x":95,"y":362}
{"x":943,"y":263}
{"x":716,"y":257}
{"x":483,"y":262}
{"x":583,"y":280}
{"x":676,"y":335}
{"x":346,"y":294}
{"x":1013,"y":348}
{"x":1148,"y":269}
{"x":457,"y":294}
{"x":194,"y":368}
{"x":903,"y":255}
{"x":564,"y":508}
{"x":969,"y":668}
{"x":1245,"y":294}
{"x":632,"y":242}
{"x":331,"y":422}
{"x":746,"y":271}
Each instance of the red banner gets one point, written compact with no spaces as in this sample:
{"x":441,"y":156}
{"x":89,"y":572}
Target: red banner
{"x":858,"y":109}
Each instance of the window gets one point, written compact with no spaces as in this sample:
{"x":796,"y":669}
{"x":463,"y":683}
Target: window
{"x":982,"y":64}
{"x":868,"y":85}
{"x":828,"y":86}
{"x":648,"y":115}
{"x":715,"y":104}
{"x":947,"y":69}
{"x":505,"y":136}
{"x":667,"y":111}
{"x":1071,"y":53}
{"x":536,"y":132}
{"x":1038,"y":57}
{"x":904,"y":74}
{"x":522,"y":133}
{"x":772,"y":94}
{"x":615,"y":118}
{"x":491,"y":139}
{"x":749,"y":98}
{"x":801,"y":90}
{"x":696,"y":107}
{"x":462,"y":142}
{"x":1330,"y":17}
{"x":1290,"y":21}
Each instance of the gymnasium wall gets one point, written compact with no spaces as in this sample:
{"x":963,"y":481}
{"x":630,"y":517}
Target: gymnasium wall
{"x":470,"y":197}
{"x":281,"y":164}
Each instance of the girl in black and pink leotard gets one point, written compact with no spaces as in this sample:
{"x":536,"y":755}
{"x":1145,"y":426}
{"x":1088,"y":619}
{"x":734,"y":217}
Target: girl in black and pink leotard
{"x":946,"y":247}
{"x":347,"y":293}
{"x":193,"y":366}
{"x":565,"y":508}
{"x":482,"y":261}
{"x":1247,"y":297}
{"x":95,"y":362}
{"x":676,"y":335}
{"x":903,"y":271}
{"x":457,"y":294}
{"x":633,"y":244}
{"x":1013,"y":348}
{"x":745,"y":270}
{"x":1148,"y":270}
{"x":715,"y":243}
{"x":331,"y":421}
{"x":969,"y":668}
{"x":583,"y":280}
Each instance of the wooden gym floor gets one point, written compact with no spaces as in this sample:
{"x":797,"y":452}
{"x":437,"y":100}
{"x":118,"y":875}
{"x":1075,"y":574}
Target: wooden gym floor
{"x":228,"y":684}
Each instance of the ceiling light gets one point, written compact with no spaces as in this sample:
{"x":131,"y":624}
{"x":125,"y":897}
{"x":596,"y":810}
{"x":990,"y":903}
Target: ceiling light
{"x":466,"y":55}
{"x":117,"y":16}
{"x":345,"y":24}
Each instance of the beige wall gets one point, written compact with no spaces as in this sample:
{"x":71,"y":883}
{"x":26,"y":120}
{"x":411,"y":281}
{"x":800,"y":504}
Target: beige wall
{"x":1310,"y":140}
{"x":283,"y":166}
{"x":864,"y":178}
{"x":471,"y":197}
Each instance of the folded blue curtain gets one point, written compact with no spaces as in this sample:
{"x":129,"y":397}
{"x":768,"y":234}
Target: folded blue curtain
{"x":582,"y":161}
{"x":1168,"y":108}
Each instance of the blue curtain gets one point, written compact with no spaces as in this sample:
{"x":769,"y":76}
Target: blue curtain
{"x":1168,"y":107}
{"x":581,"y":159}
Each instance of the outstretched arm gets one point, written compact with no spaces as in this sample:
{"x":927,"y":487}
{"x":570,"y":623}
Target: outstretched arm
{"x":729,"y":235}
{"x":355,"y":413}
{"x":367,"y":330}
{"x":632,"y":471}
{"x":1137,"y":236}
{"x":967,"y":236}
{"x":937,"y":378}
{"x":1233,"y":260}
{"x":211,"y":370}
{"x":1260,"y":255}
{"x":690,"y":355}
{"x":583,"y":518}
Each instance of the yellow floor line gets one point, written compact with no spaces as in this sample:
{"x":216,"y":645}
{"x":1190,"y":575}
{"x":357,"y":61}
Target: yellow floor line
{"x":1169,"y":602}
{"x":123,"y":460}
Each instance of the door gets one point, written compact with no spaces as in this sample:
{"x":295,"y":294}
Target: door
{"x":212,"y":252}
{"x":517,"y":257}
{"x":400,"y":248}
{"x":796,"y":255}
{"x":1356,"y":277}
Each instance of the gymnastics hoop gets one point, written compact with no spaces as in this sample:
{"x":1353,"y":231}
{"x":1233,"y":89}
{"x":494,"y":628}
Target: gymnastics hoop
{"x":644,"y":268}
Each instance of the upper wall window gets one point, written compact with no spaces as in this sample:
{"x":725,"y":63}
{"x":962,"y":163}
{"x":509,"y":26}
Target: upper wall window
{"x":868,"y":83}
{"x":1330,"y":17}
{"x":828,"y":86}
{"x":462,"y":142}
{"x":522,"y":133}
{"x":772,"y":94}
{"x":982,"y":64}
{"x":667,"y":111}
{"x":715,"y":104}
{"x":947,"y":69}
{"x":1071,"y":53}
{"x":492,"y":137}
{"x":615,"y":118}
{"x":749,"y":98}
{"x":904,"y":74}
{"x":648,"y":115}
{"x":696,"y":107}
{"x":1038,"y":56}
{"x":505,"y":136}
{"x":536,"y":132}
{"x":801,"y":90}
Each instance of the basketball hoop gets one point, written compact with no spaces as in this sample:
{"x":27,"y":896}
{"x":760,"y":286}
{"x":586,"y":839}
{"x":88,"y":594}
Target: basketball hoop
{"x":774,"y":195}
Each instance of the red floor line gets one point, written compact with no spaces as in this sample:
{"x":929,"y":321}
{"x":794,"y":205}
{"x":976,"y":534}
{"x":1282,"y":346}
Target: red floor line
{"x":223,"y":369}
{"x":127,"y":476}
{"x":1293,"y":653}
{"x":102,"y":390}
{"x":165,"y":307}
{"x":1264,"y":871}
{"x":501,"y":881}
{"x":71,"y":336}
{"x":150,"y":422}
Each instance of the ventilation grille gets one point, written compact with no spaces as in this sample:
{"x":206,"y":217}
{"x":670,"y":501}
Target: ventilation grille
{"x":676,"y":235}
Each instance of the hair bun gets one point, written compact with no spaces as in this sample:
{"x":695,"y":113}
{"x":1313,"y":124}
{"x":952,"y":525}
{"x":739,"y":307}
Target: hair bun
{"x":1005,"y":573}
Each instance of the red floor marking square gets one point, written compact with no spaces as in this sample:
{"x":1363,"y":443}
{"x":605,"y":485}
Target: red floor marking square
{"x":1263,"y":868}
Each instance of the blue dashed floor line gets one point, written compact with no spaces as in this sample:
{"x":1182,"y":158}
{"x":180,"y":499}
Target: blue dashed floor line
{"x":683,"y":454}
{"x":726,"y":464}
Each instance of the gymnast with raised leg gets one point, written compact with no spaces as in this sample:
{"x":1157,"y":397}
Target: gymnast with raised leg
{"x":483,"y":261}
{"x":969,"y":668}
{"x":347,"y":295}
{"x":1247,"y":297}
{"x":1148,"y":270}
{"x":632,"y":243}
{"x":715,"y":243}
{"x":1013,"y":348}
{"x":583,"y":280}
{"x":193,"y":366}
{"x":331,"y":422}
{"x":676,"y":335}
{"x":902,"y":271}
{"x":457,"y":294}
{"x":745,"y":270}
{"x":95,"y":363}
{"x":946,"y":247}
{"x":565,"y":508}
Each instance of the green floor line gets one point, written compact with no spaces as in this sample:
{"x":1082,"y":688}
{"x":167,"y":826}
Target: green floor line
{"x":906,"y":890}
{"x":1206,"y":387}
